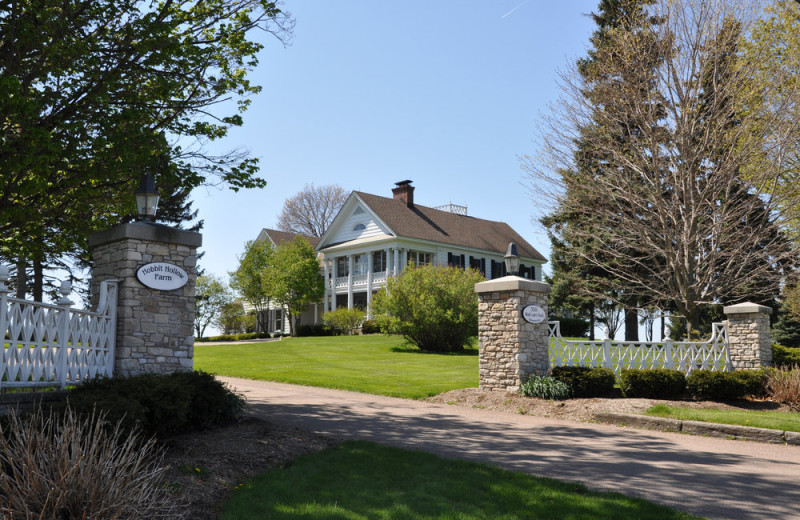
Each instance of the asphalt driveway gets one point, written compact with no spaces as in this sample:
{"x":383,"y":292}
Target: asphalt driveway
{"x":711,"y":477}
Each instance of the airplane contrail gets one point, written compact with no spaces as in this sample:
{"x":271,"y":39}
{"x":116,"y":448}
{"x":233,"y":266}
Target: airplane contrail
{"x":520,"y":5}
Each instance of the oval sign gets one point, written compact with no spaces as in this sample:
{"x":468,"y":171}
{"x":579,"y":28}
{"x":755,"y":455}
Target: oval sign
{"x":533,"y":314}
{"x":162,"y":276}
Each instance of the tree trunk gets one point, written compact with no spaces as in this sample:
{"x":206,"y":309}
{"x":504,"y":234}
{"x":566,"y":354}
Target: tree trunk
{"x":38,"y":281}
{"x":631,"y":325}
{"x":22,"y":277}
{"x":591,"y":323}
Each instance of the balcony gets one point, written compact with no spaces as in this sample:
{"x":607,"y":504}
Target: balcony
{"x":361,"y":281}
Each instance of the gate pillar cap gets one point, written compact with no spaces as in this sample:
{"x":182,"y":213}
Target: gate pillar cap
{"x":147,"y":231}
{"x":746,"y":308}
{"x":512,"y":283}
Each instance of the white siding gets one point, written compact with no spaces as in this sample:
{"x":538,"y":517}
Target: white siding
{"x":346,"y":232}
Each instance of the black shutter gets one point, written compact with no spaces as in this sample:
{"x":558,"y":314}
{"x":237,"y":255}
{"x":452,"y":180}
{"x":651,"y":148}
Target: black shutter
{"x":450,"y":259}
{"x":463,"y":265}
{"x":483,"y":266}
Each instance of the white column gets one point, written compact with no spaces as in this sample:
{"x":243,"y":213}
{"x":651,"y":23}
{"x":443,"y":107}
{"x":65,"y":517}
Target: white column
{"x":369,"y":285}
{"x":334,"y":266}
{"x":326,"y":275}
{"x":395,"y":268}
{"x":350,"y":264}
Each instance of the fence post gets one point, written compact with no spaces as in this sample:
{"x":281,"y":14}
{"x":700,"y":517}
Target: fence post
{"x":669,"y":359}
{"x":607,"y":350}
{"x":63,"y":332}
{"x":3,"y":316}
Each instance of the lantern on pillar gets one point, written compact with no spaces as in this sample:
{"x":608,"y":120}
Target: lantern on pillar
{"x":512,"y":260}
{"x":147,"y":198}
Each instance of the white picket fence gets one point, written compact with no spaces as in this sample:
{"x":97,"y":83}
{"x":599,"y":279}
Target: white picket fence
{"x":54,"y":345}
{"x":685,"y":356}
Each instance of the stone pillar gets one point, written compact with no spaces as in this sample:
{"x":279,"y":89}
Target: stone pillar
{"x":155,"y":326}
{"x":749,"y":335}
{"x":511,"y":348}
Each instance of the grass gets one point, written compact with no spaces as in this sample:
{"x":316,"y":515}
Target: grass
{"x":375,"y":364}
{"x":359,"y":480}
{"x":774,"y":420}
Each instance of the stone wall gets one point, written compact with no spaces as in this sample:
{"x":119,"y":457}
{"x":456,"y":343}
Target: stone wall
{"x":510,"y":348}
{"x":749,"y":335}
{"x":155,"y":329}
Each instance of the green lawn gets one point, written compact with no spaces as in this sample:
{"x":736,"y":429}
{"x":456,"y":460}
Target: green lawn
{"x":774,"y":420}
{"x":375,"y":364}
{"x":360,"y":480}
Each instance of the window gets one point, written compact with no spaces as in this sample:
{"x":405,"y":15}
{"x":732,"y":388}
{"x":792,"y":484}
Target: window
{"x":498,"y":269}
{"x":378,"y":261}
{"x":342,"y":266}
{"x":419,"y":258}
{"x":359,"y":227}
{"x":454,"y":260}
{"x":361,"y":264}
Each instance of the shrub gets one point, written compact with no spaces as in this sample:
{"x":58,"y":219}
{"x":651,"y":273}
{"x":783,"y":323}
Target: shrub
{"x":573,"y":327}
{"x":233,"y":337}
{"x":586,"y":381}
{"x":313,"y":329}
{"x":783,"y":385}
{"x":754,"y":381}
{"x":79,"y":467}
{"x":785,"y":356}
{"x":545,"y":387}
{"x":160,"y":404}
{"x":344,"y":320}
{"x":370,"y":327}
{"x":658,"y":383}
{"x":710,"y":384}
{"x":434,"y":307}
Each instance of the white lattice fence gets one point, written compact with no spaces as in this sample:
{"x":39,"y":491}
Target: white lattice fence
{"x":55,"y":345}
{"x":616,"y":355}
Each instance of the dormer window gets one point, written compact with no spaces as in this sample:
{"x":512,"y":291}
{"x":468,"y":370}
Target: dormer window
{"x":359,"y":227}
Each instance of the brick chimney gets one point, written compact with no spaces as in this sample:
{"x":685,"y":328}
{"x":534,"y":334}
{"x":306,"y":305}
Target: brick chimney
{"x":405,"y":192}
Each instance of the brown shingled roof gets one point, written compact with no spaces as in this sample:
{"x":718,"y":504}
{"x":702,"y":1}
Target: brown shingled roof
{"x":425,"y":223}
{"x":279,"y":237}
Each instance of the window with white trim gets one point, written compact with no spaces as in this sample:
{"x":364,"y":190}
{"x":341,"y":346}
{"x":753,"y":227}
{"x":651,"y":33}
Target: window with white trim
{"x":419,"y":258}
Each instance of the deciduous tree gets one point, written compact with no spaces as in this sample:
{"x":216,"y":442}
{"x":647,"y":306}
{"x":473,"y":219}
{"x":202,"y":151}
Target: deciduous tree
{"x":248,"y":279}
{"x":293,"y":279}
{"x":681,"y":208}
{"x":211,"y":296}
{"x":311,"y":211}
{"x":95,"y":92}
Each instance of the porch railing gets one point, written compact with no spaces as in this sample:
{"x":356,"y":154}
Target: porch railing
{"x":48,"y":345}
{"x":685,"y":356}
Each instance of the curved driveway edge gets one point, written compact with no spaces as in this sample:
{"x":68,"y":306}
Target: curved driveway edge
{"x":712,"y":477}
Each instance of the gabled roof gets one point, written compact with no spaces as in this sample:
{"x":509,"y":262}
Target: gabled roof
{"x":279,"y":237}
{"x":423,"y":223}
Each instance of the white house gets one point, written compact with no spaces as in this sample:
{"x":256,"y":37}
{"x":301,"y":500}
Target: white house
{"x":373,"y":237}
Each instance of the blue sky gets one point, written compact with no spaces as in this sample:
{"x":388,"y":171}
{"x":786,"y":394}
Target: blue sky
{"x":445,"y":93}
